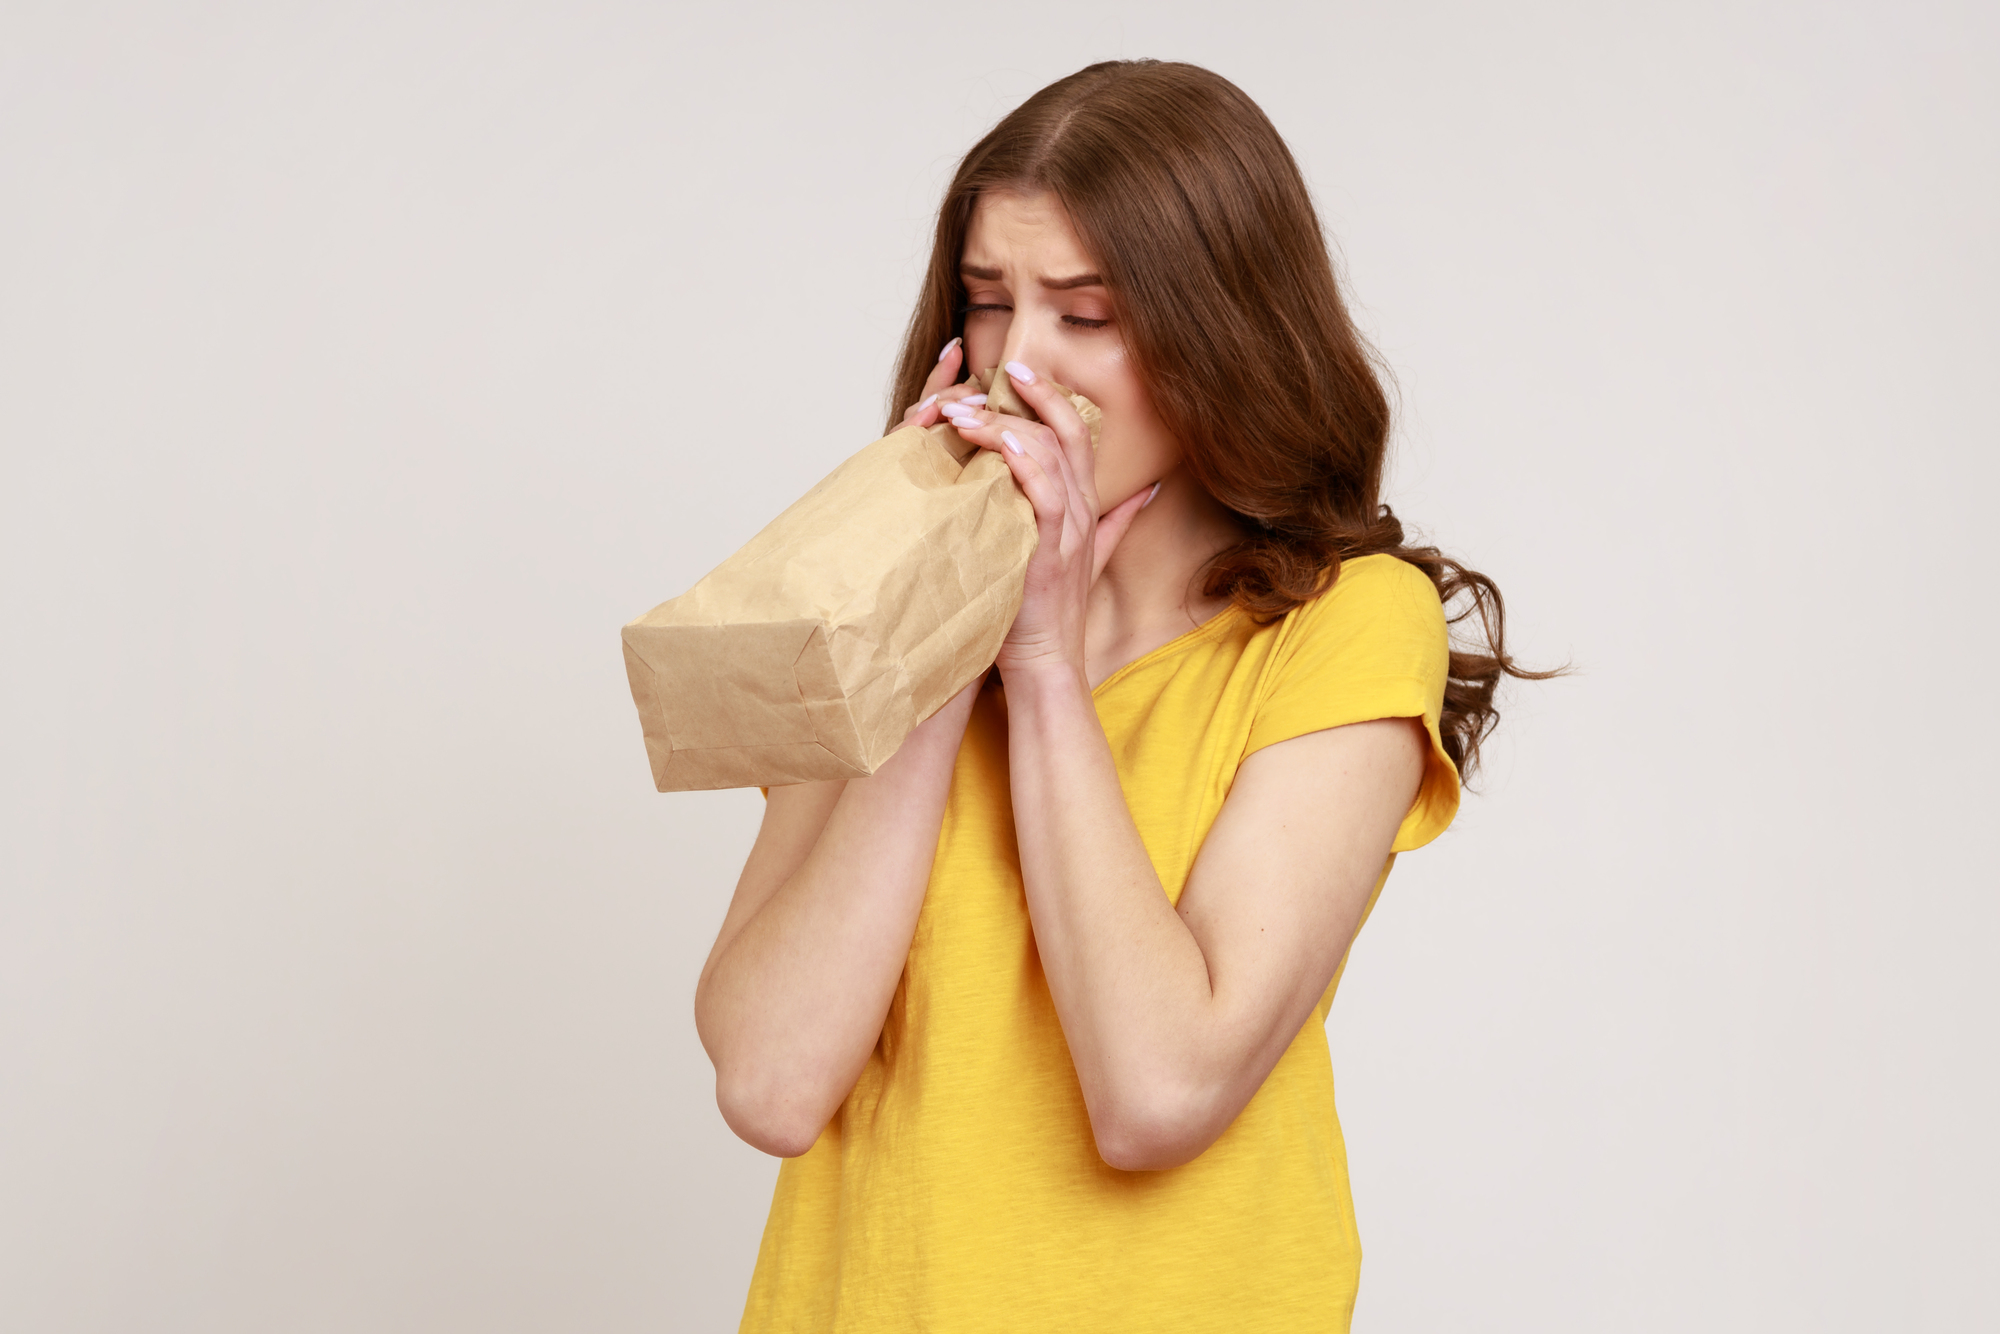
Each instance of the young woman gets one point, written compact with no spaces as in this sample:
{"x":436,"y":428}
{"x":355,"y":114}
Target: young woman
{"x":1036,"y":1012}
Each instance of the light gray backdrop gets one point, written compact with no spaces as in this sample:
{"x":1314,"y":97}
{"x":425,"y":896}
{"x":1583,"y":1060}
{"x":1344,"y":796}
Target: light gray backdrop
{"x":364,"y":366}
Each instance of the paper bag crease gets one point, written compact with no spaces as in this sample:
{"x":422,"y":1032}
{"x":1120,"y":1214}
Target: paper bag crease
{"x":814,"y":650}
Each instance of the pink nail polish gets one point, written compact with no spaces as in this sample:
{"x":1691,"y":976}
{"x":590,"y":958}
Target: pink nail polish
{"x":1020,"y":372}
{"x":1007,"y":437}
{"x":927,"y":402}
{"x":947,"y":349}
{"x":1149,"y":496}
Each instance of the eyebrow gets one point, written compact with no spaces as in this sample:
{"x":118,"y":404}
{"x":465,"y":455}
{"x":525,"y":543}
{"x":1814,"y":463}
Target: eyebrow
{"x":1052,"y":284}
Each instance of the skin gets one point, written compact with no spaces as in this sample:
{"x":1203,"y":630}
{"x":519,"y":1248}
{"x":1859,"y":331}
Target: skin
{"x":1174,"y":1015}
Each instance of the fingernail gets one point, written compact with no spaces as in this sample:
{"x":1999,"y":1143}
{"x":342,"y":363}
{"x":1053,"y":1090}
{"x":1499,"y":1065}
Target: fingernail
{"x":927,"y":402}
{"x":965,"y":421}
{"x":1149,"y":496}
{"x":954,"y":410}
{"x":1007,"y":437}
{"x":973,"y":400}
{"x":947,"y":349}
{"x":1020,"y":372}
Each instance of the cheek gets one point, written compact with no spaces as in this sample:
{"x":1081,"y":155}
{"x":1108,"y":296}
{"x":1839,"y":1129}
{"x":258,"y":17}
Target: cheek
{"x":1134,"y":452}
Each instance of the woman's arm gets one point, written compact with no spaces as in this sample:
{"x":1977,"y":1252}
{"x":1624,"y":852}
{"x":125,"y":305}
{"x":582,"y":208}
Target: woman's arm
{"x":1175,"y":1016}
{"x":793,"y":995}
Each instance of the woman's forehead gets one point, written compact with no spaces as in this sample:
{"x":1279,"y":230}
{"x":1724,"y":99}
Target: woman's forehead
{"x":1023,"y":235}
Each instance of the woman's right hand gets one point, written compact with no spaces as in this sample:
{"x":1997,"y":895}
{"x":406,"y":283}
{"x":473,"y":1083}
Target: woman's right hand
{"x":942,"y":387}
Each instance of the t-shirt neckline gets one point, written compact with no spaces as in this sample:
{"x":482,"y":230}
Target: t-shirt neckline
{"x":1185,"y":640}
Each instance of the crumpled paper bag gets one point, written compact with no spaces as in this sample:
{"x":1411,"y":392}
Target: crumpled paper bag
{"x":855,"y":615}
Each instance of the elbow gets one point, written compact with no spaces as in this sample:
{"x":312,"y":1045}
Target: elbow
{"x":769,"y":1116}
{"x":1153,"y":1129}
{"x":768,"y":1107}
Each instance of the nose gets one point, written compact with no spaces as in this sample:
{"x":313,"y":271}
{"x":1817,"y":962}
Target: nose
{"x":1027,"y":344}
{"x":1018,"y":345}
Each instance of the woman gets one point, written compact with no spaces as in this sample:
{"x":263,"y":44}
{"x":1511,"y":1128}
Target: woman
{"x":1036,"y":1011}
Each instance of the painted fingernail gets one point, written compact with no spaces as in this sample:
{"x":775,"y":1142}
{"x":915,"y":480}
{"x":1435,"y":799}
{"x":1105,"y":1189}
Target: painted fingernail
{"x":1020,"y":372}
{"x":947,"y":349}
{"x":954,"y":410}
{"x":973,"y":400}
{"x":1007,"y":437}
{"x":1149,"y":496}
{"x":966,"y":421}
{"x":927,"y":402}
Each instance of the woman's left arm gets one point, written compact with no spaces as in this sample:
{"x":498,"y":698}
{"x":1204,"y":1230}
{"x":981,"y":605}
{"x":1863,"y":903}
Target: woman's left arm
{"x":1174,"y":1014}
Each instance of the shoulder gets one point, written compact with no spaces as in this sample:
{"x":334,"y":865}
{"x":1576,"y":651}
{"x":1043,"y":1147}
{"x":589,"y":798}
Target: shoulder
{"x":1380,"y":583}
{"x":1373,"y":644}
{"x":1380,"y":615}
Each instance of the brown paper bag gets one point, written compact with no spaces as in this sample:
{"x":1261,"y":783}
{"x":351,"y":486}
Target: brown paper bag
{"x":813,"y":651}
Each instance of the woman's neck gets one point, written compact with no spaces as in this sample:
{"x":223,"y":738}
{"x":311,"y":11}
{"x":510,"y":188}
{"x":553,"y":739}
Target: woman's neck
{"x":1149,"y":594}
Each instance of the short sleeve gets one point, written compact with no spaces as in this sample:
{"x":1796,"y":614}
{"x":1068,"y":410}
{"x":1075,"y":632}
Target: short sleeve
{"x":1374,"y":645}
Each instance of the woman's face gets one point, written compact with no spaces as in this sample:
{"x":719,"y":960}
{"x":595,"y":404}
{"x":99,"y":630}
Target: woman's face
{"x":1033,"y":295}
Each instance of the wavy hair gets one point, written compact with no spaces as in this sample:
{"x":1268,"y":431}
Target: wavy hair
{"x":1220,"y":276}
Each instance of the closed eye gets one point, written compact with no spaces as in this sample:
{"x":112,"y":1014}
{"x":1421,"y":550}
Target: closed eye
{"x":1073,"y":321}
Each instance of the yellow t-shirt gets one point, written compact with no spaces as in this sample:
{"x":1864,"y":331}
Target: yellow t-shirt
{"x":958,"y":1189}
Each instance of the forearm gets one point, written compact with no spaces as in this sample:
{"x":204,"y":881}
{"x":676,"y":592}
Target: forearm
{"x":792,"y":1003}
{"x":1129,"y":980}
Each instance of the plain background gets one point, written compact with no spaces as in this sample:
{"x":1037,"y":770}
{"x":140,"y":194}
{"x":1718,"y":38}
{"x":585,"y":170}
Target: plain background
{"x":364,"y":366}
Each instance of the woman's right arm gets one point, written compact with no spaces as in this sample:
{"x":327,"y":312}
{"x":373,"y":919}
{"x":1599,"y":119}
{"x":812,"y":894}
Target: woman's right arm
{"x":793,"y":995}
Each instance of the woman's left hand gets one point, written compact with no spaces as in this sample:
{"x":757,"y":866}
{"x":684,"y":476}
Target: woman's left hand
{"x":1057,"y":469}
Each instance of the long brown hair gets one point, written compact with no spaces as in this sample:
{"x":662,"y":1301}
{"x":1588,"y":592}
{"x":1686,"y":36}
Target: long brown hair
{"x":1220,"y":277}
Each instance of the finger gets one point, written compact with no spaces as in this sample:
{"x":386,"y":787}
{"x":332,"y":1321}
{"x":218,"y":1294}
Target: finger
{"x":1032,"y":438}
{"x":1073,"y":523}
{"x":1047,"y":448}
{"x":1042,"y":445}
{"x":951,"y":360}
{"x":1082,"y":509}
{"x":1111,"y":529}
{"x":1043,"y":488}
{"x":1061,"y":417}
{"x":944,"y":405}
{"x":960,"y":398}
{"x":1048,"y":451}
{"x":942,"y":378}
{"x":1039,"y":476}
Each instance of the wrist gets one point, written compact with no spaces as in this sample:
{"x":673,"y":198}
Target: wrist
{"x":946,"y":725}
{"x":932,"y":745}
{"x":1043,"y":681}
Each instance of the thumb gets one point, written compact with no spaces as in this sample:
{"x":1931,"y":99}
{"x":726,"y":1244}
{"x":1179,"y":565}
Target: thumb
{"x":1112,"y":527}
